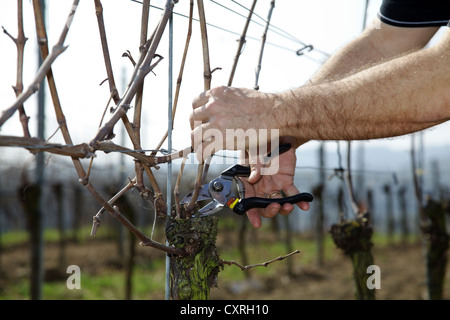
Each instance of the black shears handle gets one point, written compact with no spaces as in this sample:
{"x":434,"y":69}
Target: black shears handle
{"x":239,"y":170}
{"x":245,"y":204}
{"x":255,"y":202}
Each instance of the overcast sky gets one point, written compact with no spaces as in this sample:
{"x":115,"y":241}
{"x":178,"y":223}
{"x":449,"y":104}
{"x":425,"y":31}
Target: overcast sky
{"x":325,"y":24}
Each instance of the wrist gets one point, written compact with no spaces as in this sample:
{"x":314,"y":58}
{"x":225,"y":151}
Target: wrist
{"x":291,"y":114}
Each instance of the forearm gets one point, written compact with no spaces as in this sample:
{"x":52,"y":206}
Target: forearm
{"x":398,"y":97}
{"x":377,"y":44}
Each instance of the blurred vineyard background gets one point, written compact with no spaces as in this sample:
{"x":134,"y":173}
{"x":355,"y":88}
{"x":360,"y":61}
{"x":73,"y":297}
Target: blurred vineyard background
{"x":114,"y":266}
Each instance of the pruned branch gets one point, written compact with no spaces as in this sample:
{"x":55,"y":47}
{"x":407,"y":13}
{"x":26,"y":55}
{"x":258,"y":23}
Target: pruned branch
{"x":96,"y":218}
{"x":35,"y":145}
{"x":264,"y":264}
{"x":83,"y":150}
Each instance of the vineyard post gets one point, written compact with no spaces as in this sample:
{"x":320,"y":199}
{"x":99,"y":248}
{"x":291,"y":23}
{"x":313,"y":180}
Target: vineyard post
{"x":432,"y":223}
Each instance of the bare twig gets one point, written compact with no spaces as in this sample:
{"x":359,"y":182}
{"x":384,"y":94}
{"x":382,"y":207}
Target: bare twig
{"x":134,"y":89}
{"x":43,"y":70}
{"x":129,"y":56}
{"x":263,"y":42}
{"x":207,"y":86}
{"x":20,"y":44}
{"x":109,"y":71}
{"x":176,"y":191}
{"x":264,"y":264}
{"x":180,"y":74}
{"x":43,"y":47}
{"x":205,"y":166}
{"x":173,"y":156}
{"x":106,"y":56}
{"x":108,"y":146}
{"x":139,"y":166}
{"x":170,"y":250}
{"x":160,"y":205}
{"x":96,"y":218}
{"x":114,"y":211}
{"x":241,"y":43}
{"x":143,"y":67}
{"x":140,"y":91}
{"x":349,"y":183}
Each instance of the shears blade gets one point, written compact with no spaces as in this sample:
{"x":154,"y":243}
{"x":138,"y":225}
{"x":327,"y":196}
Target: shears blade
{"x":210,"y":209}
{"x":203,"y":195}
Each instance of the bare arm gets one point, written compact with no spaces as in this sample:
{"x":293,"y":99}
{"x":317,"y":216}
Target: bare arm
{"x":373,"y":87}
{"x":379,"y":43}
{"x":400,"y":96}
{"x":362,"y":92}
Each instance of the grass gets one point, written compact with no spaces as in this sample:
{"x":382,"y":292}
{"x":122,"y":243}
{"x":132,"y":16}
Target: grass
{"x":107,"y":286}
{"x":149,"y":276}
{"x":16,"y":237}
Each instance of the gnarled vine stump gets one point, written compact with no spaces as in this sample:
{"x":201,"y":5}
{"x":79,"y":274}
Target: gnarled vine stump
{"x":192,"y":276}
{"x":354,"y":238}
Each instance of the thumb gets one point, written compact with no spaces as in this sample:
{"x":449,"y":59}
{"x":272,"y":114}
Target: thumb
{"x":255,"y":174}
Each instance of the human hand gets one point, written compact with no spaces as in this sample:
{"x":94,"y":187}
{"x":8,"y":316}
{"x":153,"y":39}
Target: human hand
{"x":258,"y":185}
{"x":221,"y":114}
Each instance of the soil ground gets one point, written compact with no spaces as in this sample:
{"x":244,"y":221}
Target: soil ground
{"x":402,"y":278}
{"x":402,"y":273}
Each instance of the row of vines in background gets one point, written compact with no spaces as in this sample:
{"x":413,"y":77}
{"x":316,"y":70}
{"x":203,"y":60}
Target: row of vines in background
{"x":387,"y":198}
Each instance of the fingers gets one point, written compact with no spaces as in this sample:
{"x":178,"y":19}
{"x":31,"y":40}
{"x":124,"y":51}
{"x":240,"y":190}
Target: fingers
{"x":254,"y":215}
{"x":205,"y":138}
{"x":200,"y":100}
{"x":292,"y":190}
{"x":199,"y":112}
{"x":254,"y":218}
{"x":198,"y":116}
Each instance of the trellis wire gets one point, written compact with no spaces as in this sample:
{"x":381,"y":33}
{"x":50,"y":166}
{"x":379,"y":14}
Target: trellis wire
{"x":272,"y":28}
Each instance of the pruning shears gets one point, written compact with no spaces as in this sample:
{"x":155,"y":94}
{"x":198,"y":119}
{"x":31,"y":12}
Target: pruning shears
{"x":219,"y":190}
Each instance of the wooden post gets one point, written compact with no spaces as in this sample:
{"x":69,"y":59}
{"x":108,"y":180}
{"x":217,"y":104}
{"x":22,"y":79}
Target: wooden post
{"x":404,"y":228}
{"x":30,"y":197}
{"x":319,"y":191}
{"x":390,"y":223}
{"x":58,"y":193}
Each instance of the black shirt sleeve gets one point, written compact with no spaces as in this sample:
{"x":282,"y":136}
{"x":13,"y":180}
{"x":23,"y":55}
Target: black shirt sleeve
{"x":415,"y":13}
